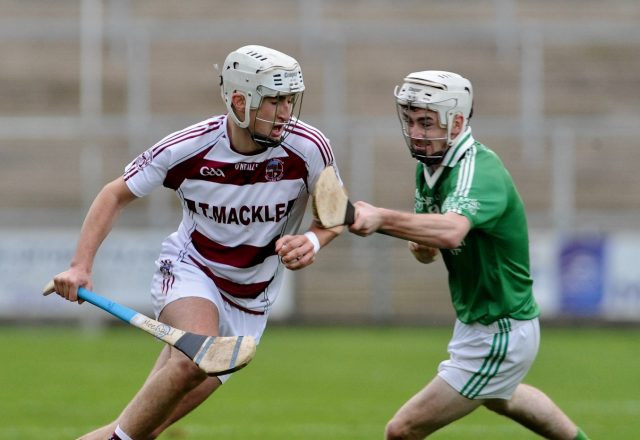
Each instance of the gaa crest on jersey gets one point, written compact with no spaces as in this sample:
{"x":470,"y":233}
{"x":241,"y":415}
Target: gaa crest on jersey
{"x":143,"y":160}
{"x":274,"y":170}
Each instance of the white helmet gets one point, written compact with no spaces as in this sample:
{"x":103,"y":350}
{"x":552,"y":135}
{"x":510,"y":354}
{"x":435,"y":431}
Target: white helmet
{"x":256,"y":72}
{"x":446,"y":93}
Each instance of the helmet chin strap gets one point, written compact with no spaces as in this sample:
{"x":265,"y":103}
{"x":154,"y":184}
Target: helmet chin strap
{"x":435,"y":158}
{"x":265,"y":141}
{"x":432,"y":160}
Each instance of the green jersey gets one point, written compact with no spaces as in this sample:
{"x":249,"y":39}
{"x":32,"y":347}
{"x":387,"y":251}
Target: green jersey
{"x":489,"y":275}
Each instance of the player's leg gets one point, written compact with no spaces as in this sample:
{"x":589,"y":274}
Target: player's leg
{"x":435,"y":406}
{"x":162,"y":393}
{"x":535,"y":410}
{"x":194,"y":398}
{"x":486,"y":362}
{"x":233,"y":321}
{"x":105,"y":431}
{"x":171,"y":282}
{"x":101,"y":433}
{"x":527,"y":405}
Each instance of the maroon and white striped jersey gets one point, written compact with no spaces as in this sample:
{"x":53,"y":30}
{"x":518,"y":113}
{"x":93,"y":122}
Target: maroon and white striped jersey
{"x":235,"y":206}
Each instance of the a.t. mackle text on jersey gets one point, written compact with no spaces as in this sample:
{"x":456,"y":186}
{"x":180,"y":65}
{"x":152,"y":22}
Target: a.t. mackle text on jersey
{"x":242,"y":215}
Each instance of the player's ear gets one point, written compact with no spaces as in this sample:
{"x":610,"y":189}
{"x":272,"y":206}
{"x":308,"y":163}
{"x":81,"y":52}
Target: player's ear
{"x":458,"y":122}
{"x":238,"y":102}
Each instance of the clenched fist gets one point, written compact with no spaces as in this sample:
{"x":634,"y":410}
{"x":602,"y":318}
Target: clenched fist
{"x":422,"y":253}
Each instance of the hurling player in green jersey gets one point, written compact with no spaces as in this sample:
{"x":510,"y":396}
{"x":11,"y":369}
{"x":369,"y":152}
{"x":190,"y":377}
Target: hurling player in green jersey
{"x":468,"y":209}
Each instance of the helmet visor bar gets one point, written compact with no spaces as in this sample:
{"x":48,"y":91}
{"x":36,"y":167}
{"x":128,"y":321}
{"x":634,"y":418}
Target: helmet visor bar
{"x":417,"y":124}
{"x":277,"y":121}
{"x":419,"y":128}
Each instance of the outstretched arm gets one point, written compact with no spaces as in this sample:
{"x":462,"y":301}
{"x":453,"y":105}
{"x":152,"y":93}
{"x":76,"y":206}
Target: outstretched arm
{"x":435,"y":230}
{"x":102,"y":214}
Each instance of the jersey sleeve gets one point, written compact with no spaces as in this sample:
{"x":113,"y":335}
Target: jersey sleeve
{"x":320,"y":157}
{"x":479,"y":193}
{"x":147,"y":171}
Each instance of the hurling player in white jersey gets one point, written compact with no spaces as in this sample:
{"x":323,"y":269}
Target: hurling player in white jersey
{"x":243,"y":180}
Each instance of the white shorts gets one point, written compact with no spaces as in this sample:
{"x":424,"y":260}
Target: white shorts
{"x":174,"y":280}
{"x":489,"y":361}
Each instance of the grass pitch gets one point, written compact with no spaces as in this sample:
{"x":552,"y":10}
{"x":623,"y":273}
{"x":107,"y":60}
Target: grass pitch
{"x":305,"y":383}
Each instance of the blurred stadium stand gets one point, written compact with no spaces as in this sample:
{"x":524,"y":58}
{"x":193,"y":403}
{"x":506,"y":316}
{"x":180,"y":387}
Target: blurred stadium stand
{"x":86,"y":85}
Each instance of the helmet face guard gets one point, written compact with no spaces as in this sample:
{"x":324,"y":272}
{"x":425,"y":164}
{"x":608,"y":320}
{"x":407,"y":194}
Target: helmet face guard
{"x":258,"y":72}
{"x":296,"y":106}
{"x":448,"y":94}
{"x":409,"y":114}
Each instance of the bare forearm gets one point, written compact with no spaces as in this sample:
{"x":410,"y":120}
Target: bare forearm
{"x":435,"y":230}
{"x":325,"y":236}
{"x":102,"y":214}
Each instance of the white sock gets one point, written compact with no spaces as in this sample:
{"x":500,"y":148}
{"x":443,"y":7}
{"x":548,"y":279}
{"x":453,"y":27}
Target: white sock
{"x":120,"y":433}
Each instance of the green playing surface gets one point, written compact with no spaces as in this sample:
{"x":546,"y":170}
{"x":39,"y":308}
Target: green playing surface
{"x":305,"y":383}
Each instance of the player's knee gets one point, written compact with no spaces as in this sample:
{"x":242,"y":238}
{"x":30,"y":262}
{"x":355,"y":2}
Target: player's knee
{"x":397,"y":430}
{"x":185,"y":374}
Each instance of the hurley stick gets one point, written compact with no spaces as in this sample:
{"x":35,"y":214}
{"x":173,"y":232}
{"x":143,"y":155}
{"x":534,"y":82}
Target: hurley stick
{"x":215,"y":355}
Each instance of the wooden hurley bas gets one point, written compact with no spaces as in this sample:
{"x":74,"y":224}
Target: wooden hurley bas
{"x":215,"y":355}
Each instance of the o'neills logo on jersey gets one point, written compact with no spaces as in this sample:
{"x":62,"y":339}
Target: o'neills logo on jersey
{"x":274,"y":170}
{"x":246,"y":166}
{"x":243,"y":215}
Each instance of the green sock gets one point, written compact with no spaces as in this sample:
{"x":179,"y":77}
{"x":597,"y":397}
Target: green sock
{"x":581,"y":435}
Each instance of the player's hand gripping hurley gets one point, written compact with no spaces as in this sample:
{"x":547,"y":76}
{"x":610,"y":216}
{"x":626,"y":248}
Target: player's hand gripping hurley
{"x":215,"y":355}
{"x":330,"y":202}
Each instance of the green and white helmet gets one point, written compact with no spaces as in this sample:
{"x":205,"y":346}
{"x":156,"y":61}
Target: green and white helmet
{"x":446,"y":93}
{"x":257,"y":72}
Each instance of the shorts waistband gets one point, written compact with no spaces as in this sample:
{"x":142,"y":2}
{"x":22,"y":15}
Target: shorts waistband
{"x":502,"y":325}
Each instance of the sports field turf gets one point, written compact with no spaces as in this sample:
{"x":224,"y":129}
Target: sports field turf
{"x":305,"y":383}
